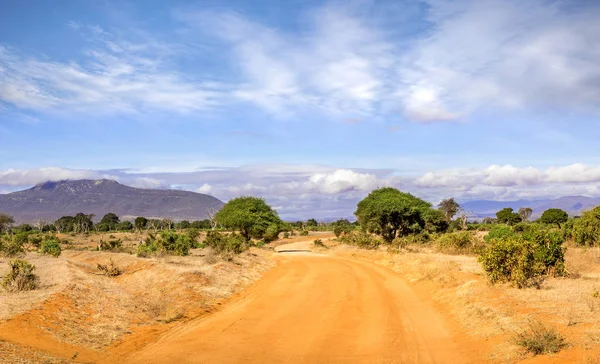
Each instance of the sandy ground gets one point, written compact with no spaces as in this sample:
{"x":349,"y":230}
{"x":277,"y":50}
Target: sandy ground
{"x":315,"y":309}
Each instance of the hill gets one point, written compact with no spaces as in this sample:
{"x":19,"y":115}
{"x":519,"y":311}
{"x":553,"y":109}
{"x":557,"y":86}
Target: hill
{"x":574,"y":205}
{"x":51,"y":200}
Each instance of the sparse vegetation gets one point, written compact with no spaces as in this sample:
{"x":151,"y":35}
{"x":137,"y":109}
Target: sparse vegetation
{"x":50,"y":246}
{"x":21,"y":276}
{"x":460,"y":242}
{"x":319,"y":243}
{"x":360,"y":239}
{"x":541,"y":339}
{"x":110,"y":269}
{"x":226,"y":244}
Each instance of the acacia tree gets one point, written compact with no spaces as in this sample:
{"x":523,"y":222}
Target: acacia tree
{"x":508,"y":216}
{"x":250,"y":215}
{"x":554,"y":216}
{"x":449,"y":207}
{"x":110,"y":221}
{"x":388,"y":212}
{"x":5,"y":222}
{"x":525,"y":213}
{"x":140,"y":223}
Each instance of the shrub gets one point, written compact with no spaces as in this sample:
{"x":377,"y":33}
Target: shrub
{"x":460,"y":242}
{"x":319,"y":243}
{"x":271,"y":233}
{"x":110,"y":245}
{"x":193,"y":233}
{"x":303,"y":233}
{"x":524,"y":260}
{"x":174,"y":244}
{"x":586,"y":229}
{"x":35,"y":240}
{"x":286,"y":235}
{"x":110,"y":269}
{"x":11,"y":246}
{"x":147,"y":249}
{"x":342,"y":228}
{"x":541,"y":339}
{"x":360,"y":239}
{"x":499,"y":232}
{"x":414,"y":239}
{"x":20,"y":277}
{"x":226,"y":244}
{"x":50,"y":246}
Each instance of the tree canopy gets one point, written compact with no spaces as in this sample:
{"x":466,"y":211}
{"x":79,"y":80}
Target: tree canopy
{"x":388,"y":212}
{"x":449,"y":207}
{"x":554,"y":216}
{"x":586,"y":229}
{"x":508,"y":216}
{"x":250,"y":215}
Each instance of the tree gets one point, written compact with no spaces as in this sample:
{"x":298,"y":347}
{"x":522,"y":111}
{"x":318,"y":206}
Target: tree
{"x":312,"y":223}
{"x":183,"y":224}
{"x":525,"y":213}
{"x":140,"y":223}
{"x":554,"y":216}
{"x":65,"y":224}
{"x":449,"y":207}
{"x":83,"y":223}
{"x":508,"y":216}
{"x":250,"y":215}
{"x":110,"y":220}
{"x":5,"y":222}
{"x":586,"y":229}
{"x":124,"y":226}
{"x":388,"y":212}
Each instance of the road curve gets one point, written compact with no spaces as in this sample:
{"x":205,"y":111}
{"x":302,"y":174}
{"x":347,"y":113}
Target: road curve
{"x":314,"y":309}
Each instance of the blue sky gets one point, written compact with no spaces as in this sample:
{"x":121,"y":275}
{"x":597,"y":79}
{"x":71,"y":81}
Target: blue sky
{"x":308,"y":104}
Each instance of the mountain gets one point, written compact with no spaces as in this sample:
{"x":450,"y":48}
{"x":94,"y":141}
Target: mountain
{"x":51,"y":200}
{"x":574,"y":205}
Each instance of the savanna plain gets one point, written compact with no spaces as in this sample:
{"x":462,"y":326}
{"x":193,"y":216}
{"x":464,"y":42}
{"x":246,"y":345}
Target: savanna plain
{"x":408,"y":283}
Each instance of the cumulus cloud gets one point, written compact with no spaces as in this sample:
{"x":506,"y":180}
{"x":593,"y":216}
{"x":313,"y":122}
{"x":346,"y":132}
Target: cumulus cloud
{"x":342,"y":180}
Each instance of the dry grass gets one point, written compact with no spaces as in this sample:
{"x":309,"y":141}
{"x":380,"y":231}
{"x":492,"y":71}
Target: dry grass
{"x":77,"y":305}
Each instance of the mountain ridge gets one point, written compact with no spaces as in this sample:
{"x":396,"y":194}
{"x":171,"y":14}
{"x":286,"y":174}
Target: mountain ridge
{"x":52,"y":199}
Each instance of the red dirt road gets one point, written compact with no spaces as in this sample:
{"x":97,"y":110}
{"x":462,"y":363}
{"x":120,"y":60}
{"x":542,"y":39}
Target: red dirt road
{"x":314,"y":309}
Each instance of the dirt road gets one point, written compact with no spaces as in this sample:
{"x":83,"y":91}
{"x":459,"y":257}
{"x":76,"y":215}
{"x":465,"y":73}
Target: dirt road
{"x":314,"y":309}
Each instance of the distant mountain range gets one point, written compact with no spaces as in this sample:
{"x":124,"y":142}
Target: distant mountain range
{"x":574,"y":205}
{"x":51,"y":200}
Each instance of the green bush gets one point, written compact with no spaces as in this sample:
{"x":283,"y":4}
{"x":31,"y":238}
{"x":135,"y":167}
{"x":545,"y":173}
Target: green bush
{"x":35,"y":240}
{"x":174,"y":244}
{"x":303,"y":233}
{"x":286,"y":235}
{"x":460,"y":242}
{"x":586,"y":229}
{"x":147,"y":248}
{"x":50,"y":246}
{"x":342,"y":228}
{"x":20,"y":277}
{"x":499,"y":231}
{"x":360,"y":239}
{"x":524,"y":260}
{"x":226,"y":244}
{"x":11,"y":246}
{"x":414,"y":239}
{"x":271,"y":233}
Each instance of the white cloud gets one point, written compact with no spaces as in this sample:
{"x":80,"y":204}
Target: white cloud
{"x":116,"y":76}
{"x":342,"y":180}
{"x":205,"y":188}
{"x":503,"y":53}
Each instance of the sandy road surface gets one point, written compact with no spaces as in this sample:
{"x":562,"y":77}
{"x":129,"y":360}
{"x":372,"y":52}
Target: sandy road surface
{"x":314,"y":309}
